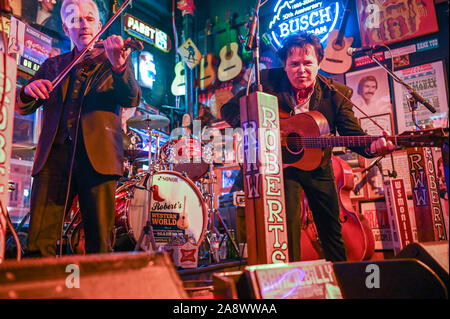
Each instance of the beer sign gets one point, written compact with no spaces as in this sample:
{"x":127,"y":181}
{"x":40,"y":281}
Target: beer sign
{"x":141,"y":30}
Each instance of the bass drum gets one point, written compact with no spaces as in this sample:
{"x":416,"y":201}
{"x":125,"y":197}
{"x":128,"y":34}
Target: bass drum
{"x":177,"y":208}
{"x":177,"y":205}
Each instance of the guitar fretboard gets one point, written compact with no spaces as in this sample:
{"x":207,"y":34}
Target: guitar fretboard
{"x":348,"y":141}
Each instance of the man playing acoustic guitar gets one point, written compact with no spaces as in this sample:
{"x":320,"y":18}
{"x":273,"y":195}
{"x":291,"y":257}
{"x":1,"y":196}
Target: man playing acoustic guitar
{"x":300,"y":89}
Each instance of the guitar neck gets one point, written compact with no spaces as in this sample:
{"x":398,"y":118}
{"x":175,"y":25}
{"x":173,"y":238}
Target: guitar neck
{"x":348,"y":141}
{"x":343,"y":24}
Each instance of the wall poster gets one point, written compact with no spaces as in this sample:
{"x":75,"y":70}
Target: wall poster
{"x":370,"y":91}
{"x":429,"y":81}
{"x":390,"y":21}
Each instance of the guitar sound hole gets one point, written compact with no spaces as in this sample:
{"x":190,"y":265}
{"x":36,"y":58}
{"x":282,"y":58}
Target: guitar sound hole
{"x":293,"y":142}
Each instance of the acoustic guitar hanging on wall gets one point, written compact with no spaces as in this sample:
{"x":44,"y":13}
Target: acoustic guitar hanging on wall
{"x":336,"y":60}
{"x":207,"y":73}
{"x":230,"y":62}
{"x":179,"y":82}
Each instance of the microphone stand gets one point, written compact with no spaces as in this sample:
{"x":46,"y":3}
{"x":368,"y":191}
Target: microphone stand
{"x":254,"y":39}
{"x":414,"y":97}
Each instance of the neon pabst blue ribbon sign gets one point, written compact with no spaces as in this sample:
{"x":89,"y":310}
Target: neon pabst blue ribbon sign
{"x":312,"y":16}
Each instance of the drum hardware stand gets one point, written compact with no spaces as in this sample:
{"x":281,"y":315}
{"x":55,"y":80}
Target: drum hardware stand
{"x":147,"y":236}
{"x":213,"y":212}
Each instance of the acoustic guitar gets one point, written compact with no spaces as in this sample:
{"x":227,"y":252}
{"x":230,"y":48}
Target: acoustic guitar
{"x":207,"y":74}
{"x":230,"y":62}
{"x":179,"y":82}
{"x":306,"y":142}
{"x":336,"y":60}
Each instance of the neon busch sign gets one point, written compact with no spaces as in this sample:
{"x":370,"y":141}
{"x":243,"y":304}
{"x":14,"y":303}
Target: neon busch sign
{"x":312,"y":16}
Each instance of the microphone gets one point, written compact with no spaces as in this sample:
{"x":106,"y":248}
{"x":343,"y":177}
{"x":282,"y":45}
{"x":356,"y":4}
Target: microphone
{"x":420,"y":99}
{"x":371,"y":165}
{"x":353,"y":51}
{"x":251,"y":34}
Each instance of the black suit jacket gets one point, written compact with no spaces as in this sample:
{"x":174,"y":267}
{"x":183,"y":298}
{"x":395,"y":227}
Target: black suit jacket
{"x":332,"y":105}
{"x":104,"y":94}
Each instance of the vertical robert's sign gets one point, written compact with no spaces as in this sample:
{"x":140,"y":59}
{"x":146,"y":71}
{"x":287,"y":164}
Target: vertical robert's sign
{"x":265,"y":212}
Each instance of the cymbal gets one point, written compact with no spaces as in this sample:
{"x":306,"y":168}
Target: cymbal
{"x":24,"y":147}
{"x":148,"y":121}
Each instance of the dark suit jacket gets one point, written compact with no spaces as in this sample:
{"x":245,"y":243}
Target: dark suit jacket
{"x":104,"y":94}
{"x":332,"y":105}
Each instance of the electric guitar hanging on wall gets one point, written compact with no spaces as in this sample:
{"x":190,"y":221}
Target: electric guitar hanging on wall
{"x":306,"y":143}
{"x":336,"y":60}
{"x":230,"y":62}
{"x":207,"y":74}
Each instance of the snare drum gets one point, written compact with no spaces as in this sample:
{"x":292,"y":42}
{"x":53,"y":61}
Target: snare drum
{"x":188,"y":156}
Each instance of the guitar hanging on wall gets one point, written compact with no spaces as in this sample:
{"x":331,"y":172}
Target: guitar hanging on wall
{"x":230,"y":62}
{"x":207,"y":74}
{"x":179,"y":82}
{"x":336,"y":60}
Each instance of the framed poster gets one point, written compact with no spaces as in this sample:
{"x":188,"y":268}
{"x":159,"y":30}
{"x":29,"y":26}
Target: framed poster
{"x":384,"y":120}
{"x":383,"y":22}
{"x":370,"y":91}
{"x":429,"y":81}
{"x":377,"y":215}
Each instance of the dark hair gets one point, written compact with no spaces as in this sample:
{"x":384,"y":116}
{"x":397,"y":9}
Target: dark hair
{"x":300,"y":40}
{"x":364,"y":80}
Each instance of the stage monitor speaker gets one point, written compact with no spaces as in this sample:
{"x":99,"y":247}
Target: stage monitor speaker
{"x":389,"y":279}
{"x":433,"y":254}
{"x":386,"y":279}
{"x":99,"y":276}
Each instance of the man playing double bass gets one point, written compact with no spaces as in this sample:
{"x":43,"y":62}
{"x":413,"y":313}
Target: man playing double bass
{"x":299,"y":89}
{"x":81,"y":126}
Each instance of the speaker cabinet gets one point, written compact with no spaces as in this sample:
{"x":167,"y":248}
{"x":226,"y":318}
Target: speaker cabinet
{"x":99,"y":276}
{"x":389,"y":279}
{"x":433,"y":254}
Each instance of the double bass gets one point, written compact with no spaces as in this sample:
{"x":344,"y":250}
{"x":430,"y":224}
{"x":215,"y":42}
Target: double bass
{"x":356,"y":233}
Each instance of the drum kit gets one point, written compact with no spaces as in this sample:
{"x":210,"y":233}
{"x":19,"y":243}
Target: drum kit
{"x":173,"y":197}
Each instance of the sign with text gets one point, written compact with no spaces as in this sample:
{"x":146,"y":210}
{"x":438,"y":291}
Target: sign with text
{"x":398,"y":214}
{"x":299,"y":280}
{"x":427,"y":204}
{"x":8,"y":93}
{"x":141,"y":30}
{"x":318,"y":17}
{"x":429,"y":80}
{"x":263,"y":180}
{"x":31,"y":46}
